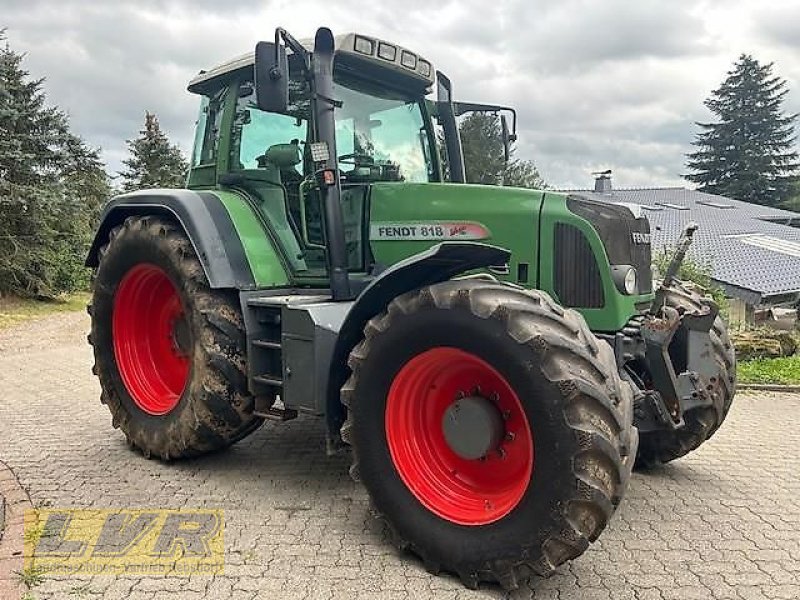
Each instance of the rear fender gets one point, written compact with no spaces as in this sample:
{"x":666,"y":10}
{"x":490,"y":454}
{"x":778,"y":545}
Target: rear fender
{"x":439,"y":263}
{"x":205,"y":221}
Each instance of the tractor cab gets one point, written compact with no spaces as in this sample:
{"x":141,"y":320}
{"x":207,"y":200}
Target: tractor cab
{"x":383,"y":133}
{"x":270,"y":142}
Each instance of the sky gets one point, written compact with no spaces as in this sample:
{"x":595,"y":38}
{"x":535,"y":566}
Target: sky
{"x":611,"y":84}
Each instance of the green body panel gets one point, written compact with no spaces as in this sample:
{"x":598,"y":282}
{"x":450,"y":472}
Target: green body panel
{"x":511,"y":216}
{"x":266,"y":263}
{"x":619,"y":308}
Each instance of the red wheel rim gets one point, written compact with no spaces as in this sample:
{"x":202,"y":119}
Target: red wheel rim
{"x":467,"y":492}
{"x":148,"y":315}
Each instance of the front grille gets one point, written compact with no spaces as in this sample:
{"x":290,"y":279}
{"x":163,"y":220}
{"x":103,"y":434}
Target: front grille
{"x":616,"y":227}
{"x":576,"y":279}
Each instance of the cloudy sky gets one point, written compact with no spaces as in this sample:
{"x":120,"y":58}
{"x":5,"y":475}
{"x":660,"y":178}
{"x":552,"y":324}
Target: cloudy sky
{"x":598,"y":84}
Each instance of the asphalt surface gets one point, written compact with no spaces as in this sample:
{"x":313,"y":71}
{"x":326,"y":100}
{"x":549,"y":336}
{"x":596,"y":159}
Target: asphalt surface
{"x":721,"y":523}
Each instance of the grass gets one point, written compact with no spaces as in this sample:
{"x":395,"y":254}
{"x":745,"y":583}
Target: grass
{"x":14,"y":311}
{"x":781,"y":371}
{"x":31,"y":576}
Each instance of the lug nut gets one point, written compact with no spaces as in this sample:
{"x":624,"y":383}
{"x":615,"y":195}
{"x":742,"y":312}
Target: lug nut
{"x":510,"y":436}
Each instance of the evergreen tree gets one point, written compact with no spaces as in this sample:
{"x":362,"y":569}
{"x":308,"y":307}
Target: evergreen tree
{"x":747,"y":154}
{"x":484,"y":156}
{"x":51,"y":187}
{"x":524,"y":174}
{"x":154,"y":161}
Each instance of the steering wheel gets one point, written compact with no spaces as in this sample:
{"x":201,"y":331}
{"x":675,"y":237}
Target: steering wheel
{"x":357,"y":158}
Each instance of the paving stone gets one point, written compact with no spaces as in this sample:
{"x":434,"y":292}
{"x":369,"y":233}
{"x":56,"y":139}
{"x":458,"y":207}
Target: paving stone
{"x":723,"y":522}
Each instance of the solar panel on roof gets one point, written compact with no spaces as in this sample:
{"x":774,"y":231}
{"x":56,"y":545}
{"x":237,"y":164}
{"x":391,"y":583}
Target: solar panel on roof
{"x":670,"y":205}
{"x":772,"y":243}
{"x":714,"y":204}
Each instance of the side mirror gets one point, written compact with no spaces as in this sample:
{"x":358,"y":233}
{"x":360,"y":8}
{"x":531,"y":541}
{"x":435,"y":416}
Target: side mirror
{"x":271,"y":77}
{"x":506,"y":138}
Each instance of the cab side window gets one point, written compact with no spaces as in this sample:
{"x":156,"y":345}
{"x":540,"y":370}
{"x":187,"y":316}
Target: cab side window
{"x":206,"y":143}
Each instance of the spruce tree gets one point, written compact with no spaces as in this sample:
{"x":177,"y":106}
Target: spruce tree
{"x":484,"y":160}
{"x":747,"y":153}
{"x":154,"y":162}
{"x":51,"y":188}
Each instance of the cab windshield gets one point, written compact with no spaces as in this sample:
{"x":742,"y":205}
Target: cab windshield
{"x":380,"y":135}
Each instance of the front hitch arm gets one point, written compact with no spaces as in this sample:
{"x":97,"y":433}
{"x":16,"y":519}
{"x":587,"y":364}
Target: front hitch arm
{"x":680,"y":253}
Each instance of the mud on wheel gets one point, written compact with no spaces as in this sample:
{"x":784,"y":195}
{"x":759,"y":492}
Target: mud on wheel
{"x":702,"y":422}
{"x":169,"y":351}
{"x":490,"y":428}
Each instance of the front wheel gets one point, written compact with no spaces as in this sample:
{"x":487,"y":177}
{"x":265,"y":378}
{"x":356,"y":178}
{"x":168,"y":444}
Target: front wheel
{"x":490,"y":428}
{"x":169,"y":351}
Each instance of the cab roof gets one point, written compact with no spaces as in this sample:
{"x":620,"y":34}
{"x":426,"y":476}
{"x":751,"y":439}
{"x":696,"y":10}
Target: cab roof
{"x":367,"y":48}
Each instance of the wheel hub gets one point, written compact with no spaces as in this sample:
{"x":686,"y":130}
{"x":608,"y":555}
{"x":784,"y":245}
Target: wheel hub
{"x":467,"y":457}
{"x":181,"y":337}
{"x":473,"y":427}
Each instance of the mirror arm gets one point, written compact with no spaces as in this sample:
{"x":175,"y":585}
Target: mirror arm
{"x":291,"y":42}
{"x":462,"y":108}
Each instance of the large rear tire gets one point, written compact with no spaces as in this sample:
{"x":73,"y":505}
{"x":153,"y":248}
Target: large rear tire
{"x":557,"y":458}
{"x":169,"y":351}
{"x":701,"y":422}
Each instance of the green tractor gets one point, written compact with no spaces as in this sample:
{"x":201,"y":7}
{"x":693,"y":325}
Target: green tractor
{"x":497,"y":359}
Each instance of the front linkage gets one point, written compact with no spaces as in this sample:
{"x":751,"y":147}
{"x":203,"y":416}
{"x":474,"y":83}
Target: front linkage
{"x":683,"y":364}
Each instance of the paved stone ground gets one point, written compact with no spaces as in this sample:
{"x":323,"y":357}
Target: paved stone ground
{"x":722,"y":523}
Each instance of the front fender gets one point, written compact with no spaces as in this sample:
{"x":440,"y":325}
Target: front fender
{"x":205,"y":221}
{"x":439,"y":263}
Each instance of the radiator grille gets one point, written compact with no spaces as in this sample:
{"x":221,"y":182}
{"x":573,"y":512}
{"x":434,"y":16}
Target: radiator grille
{"x":577,"y":281}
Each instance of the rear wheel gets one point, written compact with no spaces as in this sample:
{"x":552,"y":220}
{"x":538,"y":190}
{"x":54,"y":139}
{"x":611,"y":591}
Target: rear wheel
{"x":490,"y":428}
{"x":169,"y":351}
{"x":703,"y":421}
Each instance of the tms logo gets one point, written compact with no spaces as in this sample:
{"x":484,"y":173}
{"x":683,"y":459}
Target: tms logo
{"x":640,"y":238}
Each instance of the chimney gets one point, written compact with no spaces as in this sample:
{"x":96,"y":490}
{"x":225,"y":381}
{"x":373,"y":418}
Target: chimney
{"x":602,"y":182}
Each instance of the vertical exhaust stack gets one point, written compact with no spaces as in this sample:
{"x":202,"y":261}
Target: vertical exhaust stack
{"x":602,"y":182}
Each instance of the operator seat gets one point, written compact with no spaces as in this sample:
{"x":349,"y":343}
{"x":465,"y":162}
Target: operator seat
{"x":277,"y":189}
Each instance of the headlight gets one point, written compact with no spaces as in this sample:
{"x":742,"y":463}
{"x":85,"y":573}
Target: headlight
{"x":425,"y":68}
{"x":364,"y":46}
{"x":625,"y":278}
{"x":387,"y":51}
{"x":408,"y":60}
{"x":630,"y":281}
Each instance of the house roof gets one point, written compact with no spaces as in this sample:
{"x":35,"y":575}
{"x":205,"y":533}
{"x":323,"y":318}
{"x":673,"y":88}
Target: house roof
{"x":753,"y":250}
